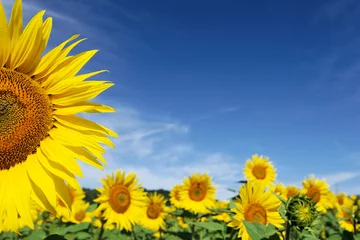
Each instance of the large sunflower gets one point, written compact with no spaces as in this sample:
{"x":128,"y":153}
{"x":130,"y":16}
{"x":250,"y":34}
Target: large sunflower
{"x":175,"y":197}
{"x":319,"y":191}
{"x":260,"y":169}
{"x":121,"y":199}
{"x":198,"y":193}
{"x":40,"y":136}
{"x":154,"y":213}
{"x":255,"y":205}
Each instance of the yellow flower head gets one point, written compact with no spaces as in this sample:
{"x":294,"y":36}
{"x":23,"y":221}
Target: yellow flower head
{"x":344,"y":213}
{"x":76,"y":198}
{"x":290,"y":191}
{"x":259,"y":168}
{"x":255,"y":205}
{"x":222,"y":216}
{"x":279,"y":189}
{"x":319,"y":191}
{"x":40,"y":135}
{"x":175,"y":196}
{"x":121,"y":199}
{"x":154,"y":212}
{"x":79,"y":214}
{"x":182,"y":222}
{"x":198,"y":193}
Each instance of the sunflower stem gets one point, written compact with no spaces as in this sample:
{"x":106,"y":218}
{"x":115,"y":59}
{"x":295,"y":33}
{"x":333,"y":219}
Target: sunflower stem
{"x":192,"y":232}
{"x":101,"y":229}
{"x":232,"y":234}
{"x":287,"y":231}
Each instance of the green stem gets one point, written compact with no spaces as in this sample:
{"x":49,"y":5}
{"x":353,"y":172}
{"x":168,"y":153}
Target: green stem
{"x":133,"y":233}
{"x":101,"y":229}
{"x":192,"y":232}
{"x":287,"y":232}
{"x":232,"y":234}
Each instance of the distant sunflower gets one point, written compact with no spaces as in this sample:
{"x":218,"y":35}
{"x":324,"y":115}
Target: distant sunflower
{"x":154,"y":212}
{"x":279,"y":189}
{"x":254,"y":204}
{"x":182,"y":223}
{"x":79,"y":214}
{"x":319,"y":191}
{"x":97,"y":218}
{"x":344,"y":214}
{"x":76,"y":198}
{"x":291,"y":191}
{"x":198,"y":193}
{"x":260,"y":169}
{"x":40,"y":136}
{"x":222,"y":215}
{"x":121,"y":199}
{"x":175,"y":197}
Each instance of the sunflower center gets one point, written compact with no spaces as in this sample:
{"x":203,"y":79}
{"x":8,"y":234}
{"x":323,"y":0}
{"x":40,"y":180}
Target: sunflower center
{"x":153,"y":211}
{"x":120,"y":198}
{"x":25,"y":117}
{"x":314,"y":193}
{"x":259,"y":172}
{"x":197,"y":192}
{"x":79,"y":216}
{"x":255,"y":213}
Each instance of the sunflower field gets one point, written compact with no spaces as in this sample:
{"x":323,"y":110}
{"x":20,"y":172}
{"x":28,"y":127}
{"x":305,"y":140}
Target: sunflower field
{"x":42,"y":138}
{"x":260,"y":209}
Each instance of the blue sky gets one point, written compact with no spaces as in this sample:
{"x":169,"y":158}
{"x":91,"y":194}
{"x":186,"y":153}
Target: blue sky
{"x":201,"y":86}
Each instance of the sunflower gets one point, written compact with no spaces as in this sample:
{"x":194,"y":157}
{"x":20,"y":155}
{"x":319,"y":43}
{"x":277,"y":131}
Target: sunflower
{"x":290,"y":191}
{"x":319,"y":191}
{"x":76,"y":198}
{"x":254,"y":204}
{"x":40,"y":136}
{"x":79,"y":214}
{"x":279,"y":189}
{"x":222,"y":216}
{"x":259,"y":168}
{"x":344,"y":214}
{"x":175,"y":197}
{"x":154,"y":213}
{"x":121,"y":199}
{"x":97,"y":216}
{"x":182,"y":223}
{"x":198,"y":193}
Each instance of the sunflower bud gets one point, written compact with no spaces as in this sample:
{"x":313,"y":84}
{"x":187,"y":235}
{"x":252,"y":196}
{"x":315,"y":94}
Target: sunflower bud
{"x":301,"y":211}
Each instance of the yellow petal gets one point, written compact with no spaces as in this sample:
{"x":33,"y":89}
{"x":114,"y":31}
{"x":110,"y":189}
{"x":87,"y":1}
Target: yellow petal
{"x":28,"y":41}
{"x":5,"y":46}
{"x":87,"y":107}
{"x":67,"y":83}
{"x":48,"y":62}
{"x":69,"y":67}
{"x":16,"y":22}
{"x":40,"y":178}
{"x":58,"y":170}
{"x":80,"y":94}
{"x":56,"y":152}
{"x":85,"y":156}
{"x":84,"y":124}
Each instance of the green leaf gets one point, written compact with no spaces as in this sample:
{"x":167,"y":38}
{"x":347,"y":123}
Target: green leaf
{"x":36,"y":235}
{"x":177,"y":212}
{"x":83,"y":235}
{"x":211,"y":226}
{"x":256,"y":231}
{"x":334,"y":237}
{"x":54,"y":237}
{"x":77,"y":228}
{"x":92,"y":207}
{"x":270,"y":230}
